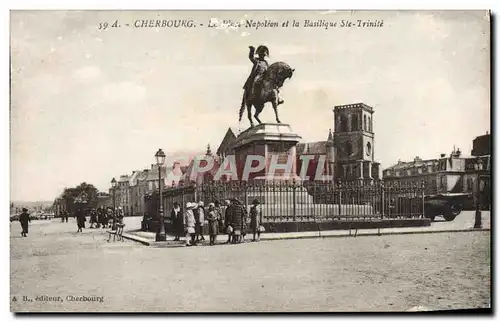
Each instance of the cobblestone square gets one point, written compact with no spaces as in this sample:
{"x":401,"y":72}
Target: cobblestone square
{"x":386,"y":273}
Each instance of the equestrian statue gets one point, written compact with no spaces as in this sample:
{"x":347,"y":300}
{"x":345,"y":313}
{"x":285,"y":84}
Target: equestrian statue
{"x":263,"y":84}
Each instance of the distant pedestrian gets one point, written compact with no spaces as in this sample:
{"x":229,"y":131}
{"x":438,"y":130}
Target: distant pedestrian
{"x":255,"y":219}
{"x":227,"y":221}
{"x":61,"y":213}
{"x":199,"y":213}
{"x":213,"y":223}
{"x":93,"y":218}
{"x":189,"y":224}
{"x":176,"y":218}
{"x":24,"y":219}
{"x":119,"y":216}
{"x":100,"y":213}
{"x":66,"y":215}
{"x":80,"y":220}
{"x":109,"y":217}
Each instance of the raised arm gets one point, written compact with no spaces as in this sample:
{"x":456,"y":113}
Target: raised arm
{"x":251,"y":55}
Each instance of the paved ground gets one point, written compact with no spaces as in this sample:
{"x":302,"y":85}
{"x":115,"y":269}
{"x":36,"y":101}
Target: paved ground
{"x":387,"y":273}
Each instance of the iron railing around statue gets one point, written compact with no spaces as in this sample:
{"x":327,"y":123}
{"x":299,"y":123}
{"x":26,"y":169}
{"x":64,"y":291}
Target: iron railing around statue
{"x":311,"y":201}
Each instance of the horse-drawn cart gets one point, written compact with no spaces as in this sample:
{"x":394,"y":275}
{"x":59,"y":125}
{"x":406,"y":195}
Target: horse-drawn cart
{"x":448,"y":205}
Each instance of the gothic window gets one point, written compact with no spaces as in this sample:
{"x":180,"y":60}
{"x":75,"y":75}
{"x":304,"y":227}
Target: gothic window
{"x":343,"y":123}
{"x":354,"y":123}
{"x":369,"y":124}
{"x":348,"y":148}
{"x":365,"y":127}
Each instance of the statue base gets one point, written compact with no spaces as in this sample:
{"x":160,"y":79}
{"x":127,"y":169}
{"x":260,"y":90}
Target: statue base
{"x":276,"y":143}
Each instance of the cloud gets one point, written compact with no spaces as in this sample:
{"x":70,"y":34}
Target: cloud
{"x":87,"y":73}
{"x":429,"y":25}
{"x":124,"y":92}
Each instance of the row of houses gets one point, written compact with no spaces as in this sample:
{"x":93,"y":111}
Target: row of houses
{"x":452,"y":173}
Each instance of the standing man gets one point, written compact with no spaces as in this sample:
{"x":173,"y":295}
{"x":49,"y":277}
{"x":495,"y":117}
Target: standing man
{"x":80,"y":219}
{"x":176,"y":218}
{"x":24,"y":219}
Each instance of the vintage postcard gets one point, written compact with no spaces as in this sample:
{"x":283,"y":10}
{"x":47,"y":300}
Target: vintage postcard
{"x":250,"y":161}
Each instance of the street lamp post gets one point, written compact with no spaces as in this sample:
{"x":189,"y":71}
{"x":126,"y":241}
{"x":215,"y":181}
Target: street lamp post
{"x":113,"y":185}
{"x":160,"y":160}
{"x":477,"y":220}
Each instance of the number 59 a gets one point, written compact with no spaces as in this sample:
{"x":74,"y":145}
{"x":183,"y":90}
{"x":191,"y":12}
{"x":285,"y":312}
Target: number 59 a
{"x":103,"y":26}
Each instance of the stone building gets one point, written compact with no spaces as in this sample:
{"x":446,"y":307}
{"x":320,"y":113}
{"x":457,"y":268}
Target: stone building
{"x":123,"y":194}
{"x":446,"y":174}
{"x":104,"y":200}
{"x":226,"y":146}
{"x":314,"y":152}
{"x":354,"y":144}
{"x":481,"y":145}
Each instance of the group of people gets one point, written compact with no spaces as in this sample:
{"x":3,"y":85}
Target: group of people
{"x":232,"y":220}
{"x":99,"y":218}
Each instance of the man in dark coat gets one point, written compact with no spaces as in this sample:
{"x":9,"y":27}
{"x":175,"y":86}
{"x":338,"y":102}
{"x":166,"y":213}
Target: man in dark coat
{"x":177,"y":221}
{"x":24,"y":219}
{"x":80,"y":219}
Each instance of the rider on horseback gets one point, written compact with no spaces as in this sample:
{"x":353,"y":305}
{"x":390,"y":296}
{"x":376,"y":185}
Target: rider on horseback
{"x":260,"y":66}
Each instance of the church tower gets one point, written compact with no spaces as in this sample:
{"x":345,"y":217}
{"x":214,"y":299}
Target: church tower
{"x":354,"y":143}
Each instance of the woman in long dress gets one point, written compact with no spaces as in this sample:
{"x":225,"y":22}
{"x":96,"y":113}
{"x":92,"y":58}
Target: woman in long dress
{"x":189,"y":224}
{"x":255,"y":219}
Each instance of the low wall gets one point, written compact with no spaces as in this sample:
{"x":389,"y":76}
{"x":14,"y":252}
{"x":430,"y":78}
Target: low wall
{"x":298,"y":226}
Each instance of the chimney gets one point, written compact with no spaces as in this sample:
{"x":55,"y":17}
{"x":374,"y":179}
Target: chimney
{"x":417,"y":158}
{"x":399,"y":161}
{"x":443,"y":155}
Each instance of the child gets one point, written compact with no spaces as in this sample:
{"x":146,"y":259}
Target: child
{"x":213,"y":223}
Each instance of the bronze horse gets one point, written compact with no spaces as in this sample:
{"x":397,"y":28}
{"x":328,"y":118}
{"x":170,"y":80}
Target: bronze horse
{"x":266,"y":91}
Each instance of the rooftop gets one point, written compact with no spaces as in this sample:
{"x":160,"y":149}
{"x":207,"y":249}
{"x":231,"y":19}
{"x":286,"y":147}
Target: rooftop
{"x":354,"y":105}
{"x":318,"y":147}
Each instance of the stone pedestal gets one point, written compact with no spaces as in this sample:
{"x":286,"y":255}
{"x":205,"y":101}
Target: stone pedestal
{"x":271,"y":141}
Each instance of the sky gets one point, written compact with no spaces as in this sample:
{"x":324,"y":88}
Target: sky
{"x":89,"y":104}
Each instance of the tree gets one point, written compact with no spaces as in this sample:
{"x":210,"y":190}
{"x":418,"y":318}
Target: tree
{"x":84,"y":195}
